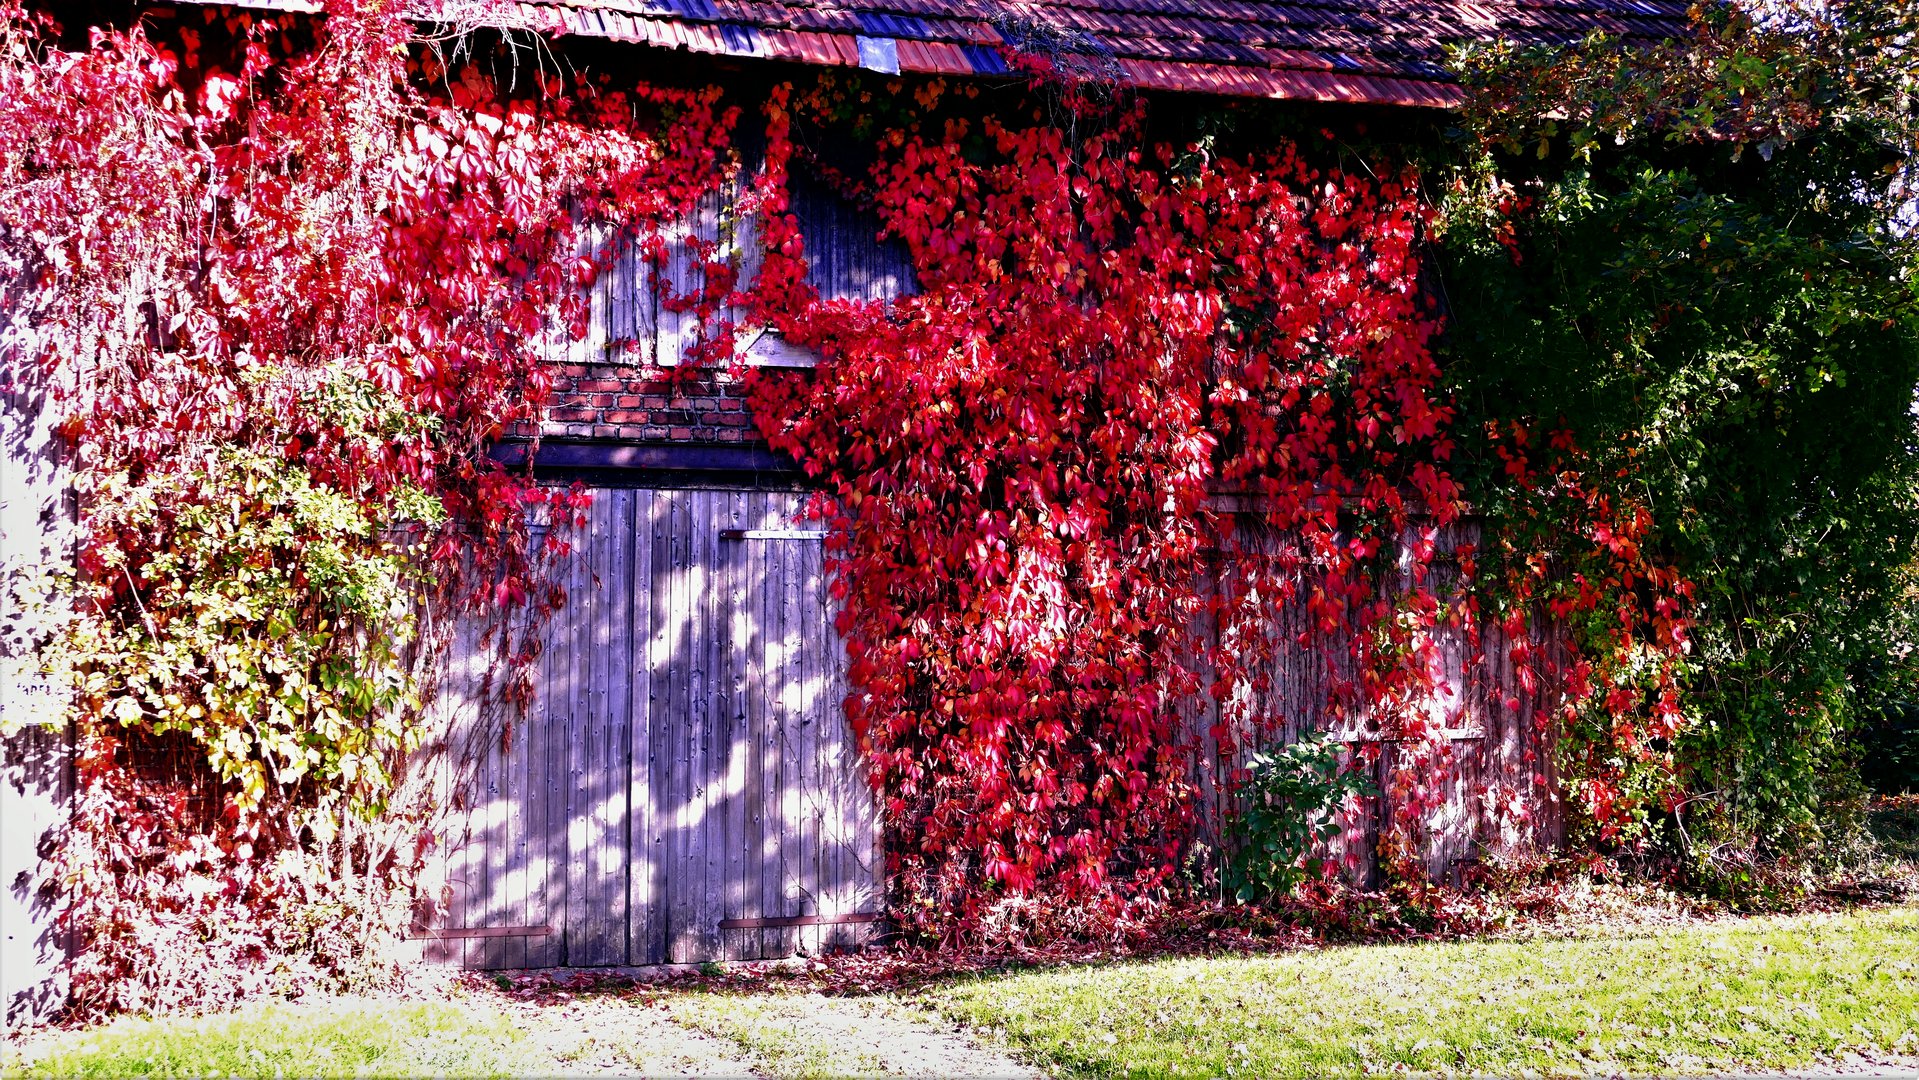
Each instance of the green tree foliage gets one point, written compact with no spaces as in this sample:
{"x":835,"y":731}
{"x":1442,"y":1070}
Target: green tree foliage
{"x":1698,"y":262}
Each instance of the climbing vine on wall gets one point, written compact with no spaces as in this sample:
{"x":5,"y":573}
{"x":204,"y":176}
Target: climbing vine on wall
{"x":1023,"y":461}
{"x":1162,"y":415}
{"x":285,"y":282}
{"x":1729,"y":330}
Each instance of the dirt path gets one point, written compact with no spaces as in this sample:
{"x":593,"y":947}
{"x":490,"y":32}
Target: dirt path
{"x":811,"y":1035}
{"x":790,"y":1036}
{"x":601,"y":1035}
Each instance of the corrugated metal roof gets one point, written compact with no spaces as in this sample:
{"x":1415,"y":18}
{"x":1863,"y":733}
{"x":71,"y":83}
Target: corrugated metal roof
{"x":1386,"y":52}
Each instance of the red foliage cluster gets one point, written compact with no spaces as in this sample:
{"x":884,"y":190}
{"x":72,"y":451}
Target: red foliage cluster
{"x":1574,"y":554}
{"x":288,"y":279}
{"x":1021,"y":458}
{"x":1023,"y":462}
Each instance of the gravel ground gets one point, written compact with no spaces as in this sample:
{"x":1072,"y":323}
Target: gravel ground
{"x":791,"y":1036}
{"x":812,"y":1035}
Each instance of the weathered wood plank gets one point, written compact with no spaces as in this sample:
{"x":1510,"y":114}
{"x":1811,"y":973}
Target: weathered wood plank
{"x":674,"y":725}
{"x":852,"y":873}
{"x":763,"y":782}
{"x":453,"y":713}
{"x":585,"y":929}
{"x":511,"y":882}
{"x":723,"y":867}
{"x":611,"y":688}
{"x":545,"y":852}
{"x":567,"y":696}
{"x":490,"y":909}
{"x":815,"y":842}
{"x":710,"y":855}
{"x":637,"y":785}
{"x":792,"y":746}
{"x":658,"y":760}
{"x":738,"y":742}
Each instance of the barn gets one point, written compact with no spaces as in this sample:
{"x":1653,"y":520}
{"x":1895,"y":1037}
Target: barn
{"x":684,"y":786}
{"x":686,"y":789}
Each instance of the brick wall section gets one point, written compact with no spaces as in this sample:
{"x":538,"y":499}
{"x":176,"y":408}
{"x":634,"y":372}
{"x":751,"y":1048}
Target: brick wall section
{"x":632,"y":403}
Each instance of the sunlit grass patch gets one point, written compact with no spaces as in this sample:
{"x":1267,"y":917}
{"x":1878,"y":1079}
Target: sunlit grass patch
{"x":1774,"y":993}
{"x":337,"y":1038}
{"x":782,"y":1032}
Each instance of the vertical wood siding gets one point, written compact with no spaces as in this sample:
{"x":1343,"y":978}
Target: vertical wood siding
{"x":1495,"y":770}
{"x":686,"y":760}
{"x":845,"y":258}
{"x":36,"y":759}
{"x":631,"y":320}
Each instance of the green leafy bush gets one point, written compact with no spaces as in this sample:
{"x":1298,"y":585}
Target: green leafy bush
{"x":1287,"y":815}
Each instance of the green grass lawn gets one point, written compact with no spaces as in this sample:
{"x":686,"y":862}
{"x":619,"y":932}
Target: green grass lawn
{"x":1765,"y":993}
{"x":337,"y":1038}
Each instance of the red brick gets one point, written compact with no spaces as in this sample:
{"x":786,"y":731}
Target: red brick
{"x":680,"y":434}
{"x":626,"y":416}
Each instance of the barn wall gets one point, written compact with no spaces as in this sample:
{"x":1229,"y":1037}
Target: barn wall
{"x":1495,"y":768}
{"x":684,"y":787}
{"x":603,"y":778}
{"x":625,"y":381}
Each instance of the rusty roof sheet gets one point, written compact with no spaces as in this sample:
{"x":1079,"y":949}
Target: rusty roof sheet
{"x":1388,"y":52}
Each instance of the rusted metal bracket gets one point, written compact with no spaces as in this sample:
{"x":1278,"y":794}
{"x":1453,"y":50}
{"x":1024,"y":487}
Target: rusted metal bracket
{"x":772,"y":534}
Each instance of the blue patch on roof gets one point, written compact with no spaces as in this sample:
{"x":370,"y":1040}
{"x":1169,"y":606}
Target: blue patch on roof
{"x":741,"y":39}
{"x":875,"y":24}
{"x":880,"y":54}
{"x":985,"y":59}
{"x":1342,"y":62}
{"x":695,"y":9}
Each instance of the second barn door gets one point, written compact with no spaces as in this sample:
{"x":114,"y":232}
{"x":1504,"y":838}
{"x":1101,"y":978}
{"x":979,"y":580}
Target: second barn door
{"x":763,"y":836}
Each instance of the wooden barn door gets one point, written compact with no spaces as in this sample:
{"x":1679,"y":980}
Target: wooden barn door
{"x":539,"y":870}
{"x":683,"y":787}
{"x":765,"y":835}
